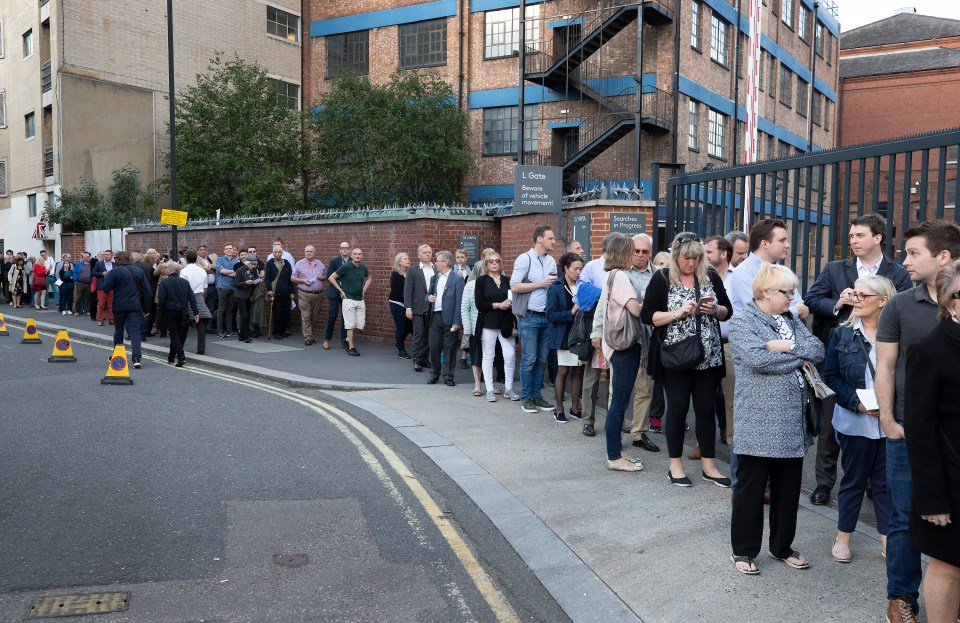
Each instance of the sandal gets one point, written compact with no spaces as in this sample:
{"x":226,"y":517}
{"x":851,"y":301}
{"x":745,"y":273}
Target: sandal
{"x":477,"y":392}
{"x":630,"y":466}
{"x":498,"y":391}
{"x":794,"y":560}
{"x":745,"y":565}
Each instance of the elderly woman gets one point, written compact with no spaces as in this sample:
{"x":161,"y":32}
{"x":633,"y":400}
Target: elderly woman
{"x":404,"y":326}
{"x":932,"y":428}
{"x":684,"y":300}
{"x":769,"y":433}
{"x":469,"y":313}
{"x":850,"y":366}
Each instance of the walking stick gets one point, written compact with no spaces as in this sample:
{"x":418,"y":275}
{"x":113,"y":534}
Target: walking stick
{"x":270,"y":316}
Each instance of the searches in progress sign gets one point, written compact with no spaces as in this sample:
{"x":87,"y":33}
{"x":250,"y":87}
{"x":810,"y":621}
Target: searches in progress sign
{"x":537,"y":189}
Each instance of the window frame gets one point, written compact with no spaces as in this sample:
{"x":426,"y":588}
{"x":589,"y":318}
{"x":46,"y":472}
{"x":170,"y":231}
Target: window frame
{"x":27,"y":40}
{"x":803,"y":24}
{"x":344,"y":38}
{"x":298,"y":31}
{"x":509,"y":144}
{"x":284,"y":99}
{"x":3,"y":108}
{"x":418,"y":43}
{"x":32,"y":205}
{"x":718,"y":26}
{"x":693,"y":125}
{"x":2,"y":40}
{"x":4,"y":183}
{"x":786,"y":86}
{"x":510,"y":38}
{"x":818,"y":38}
{"x":803,"y":94}
{"x":772,"y":77}
{"x":696,"y":25}
{"x":716,"y":133}
{"x":817,"y":110}
{"x":29,"y":125}
{"x":786,"y":13}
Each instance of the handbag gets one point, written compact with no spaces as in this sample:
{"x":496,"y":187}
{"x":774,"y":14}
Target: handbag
{"x":578,"y":340}
{"x":687,"y":353}
{"x":623,"y":333}
{"x":519,"y":302}
{"x":820,"y":399}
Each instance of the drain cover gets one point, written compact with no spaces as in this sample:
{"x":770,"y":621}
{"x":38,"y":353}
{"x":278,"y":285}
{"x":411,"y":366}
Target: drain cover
{"x":290,"y":560}
{"x":75,"y":605}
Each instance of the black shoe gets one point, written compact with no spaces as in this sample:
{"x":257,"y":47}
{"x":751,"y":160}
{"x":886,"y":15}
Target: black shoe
{"x":577,"y":415}
{"x":463,"y":364}
{"x":353,"y":352}
{"x":683,"y":481}
{"x":246,"y":340}
{"x":136,"y":363}
{"x":645,"y":443}
{"x":588,"y":430}
{"x":559,"y":417}
{"x":417,"y":367}
{"x":170,"y":359}
{"x":221,"y":334}
{"x":403,"y":354}
{"x":433,"y":380}
{"x":180,"y":363}
{"x":449,"y":383}
{"x":720,"y":481}
{"x":820,"y":495}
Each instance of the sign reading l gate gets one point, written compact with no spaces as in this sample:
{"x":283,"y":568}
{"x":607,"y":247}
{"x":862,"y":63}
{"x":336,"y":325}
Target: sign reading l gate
{"x":537,"y":189}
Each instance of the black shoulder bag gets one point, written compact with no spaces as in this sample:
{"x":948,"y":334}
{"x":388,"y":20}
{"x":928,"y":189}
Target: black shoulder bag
{"x":688,"y":353}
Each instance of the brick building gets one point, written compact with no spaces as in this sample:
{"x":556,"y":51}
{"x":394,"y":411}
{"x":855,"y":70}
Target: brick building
{"x":83,"y":88}
{"x":901,"y":76}
{"x":584,"y":73}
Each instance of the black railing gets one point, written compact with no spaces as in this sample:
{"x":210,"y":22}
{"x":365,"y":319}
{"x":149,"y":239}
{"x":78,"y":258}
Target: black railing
{"x":46,"y":77}
{"x":906,"y":180}
{"x":657,"y":105}
{"x":48,"y":162}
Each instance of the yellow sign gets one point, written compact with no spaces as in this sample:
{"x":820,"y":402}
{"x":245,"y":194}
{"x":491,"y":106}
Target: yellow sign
{"x":30,"y":333}
{"x":62,"y":350}
{"x":3,"y":326}
{"x":118,"y":372}
{"x":174,"y":217}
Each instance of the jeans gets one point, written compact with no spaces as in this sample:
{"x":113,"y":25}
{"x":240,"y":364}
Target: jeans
{"x":66,"y":296}
{"x":862,"y":459}
{"x":132,"y":321}
{"x":51,"y":285}
{"x":333,"y":310}
{"x":404,"y":326}
{"x":903,"y":559}
{"x":225,"y":310}
{"x":625,"y":364}
{"x":533,"y":353}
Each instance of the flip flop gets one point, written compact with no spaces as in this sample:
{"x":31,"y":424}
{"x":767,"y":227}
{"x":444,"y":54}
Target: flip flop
{"x":793,"y":554}
{"x":477,"y":393}
{"x":746,"y":560}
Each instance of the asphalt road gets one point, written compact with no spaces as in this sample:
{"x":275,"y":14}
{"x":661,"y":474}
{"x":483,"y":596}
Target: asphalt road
{"x":212,"y":500}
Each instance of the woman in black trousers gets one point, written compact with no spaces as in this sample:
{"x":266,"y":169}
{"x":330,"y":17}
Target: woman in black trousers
{"x":280,"y":291}
{"x":174,"y":297}
{"x":243,"y":284}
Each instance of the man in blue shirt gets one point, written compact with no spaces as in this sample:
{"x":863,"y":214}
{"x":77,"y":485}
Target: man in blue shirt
{"x":225,"y":292}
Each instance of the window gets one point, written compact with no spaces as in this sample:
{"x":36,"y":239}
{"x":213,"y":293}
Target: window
{"x":502,"y":31}
{"x":817,"y":112}
{"x":29,"y":125}
{"x":3,"y":109}
{"x":283,"y":24}
{"x":952,"y":154}
{"x":786,"y":13}
{"x":772,"y":75}
{"x":828,"y":44}
{"x":501,"y":127}
{"x":827,"y":112}
{"x":718,"y":40}
{"x":349,"y":51}
{"x":803,"y":24}
{"x":763,"y":66}
{"x":716,"y":139}
{"x":742,"y":55}
{"x":802,"y":94}
{"x":1,"y":38}
{"x":695,"y":7}
{"x":3,"y":177}
{"x":423,"y":44}
{"x":818,"y":39}
{"x":28,"y":43}
{"x":786,"y":86}
{"x":32,"y":205}
{"x":694,"y":141}
{"x":288,"y":94}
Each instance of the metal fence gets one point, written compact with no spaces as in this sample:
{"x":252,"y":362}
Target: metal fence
{"x":906,"y":180}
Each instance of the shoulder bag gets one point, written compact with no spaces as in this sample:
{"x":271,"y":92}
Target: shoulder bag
{"x":623,"y":333}
{"x":820,"y":399}
{"x":688,"y":353}
{"x":519,"y":302}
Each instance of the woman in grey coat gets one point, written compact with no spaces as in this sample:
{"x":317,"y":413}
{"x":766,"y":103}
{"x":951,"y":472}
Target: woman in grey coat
{"x":769,"y":348}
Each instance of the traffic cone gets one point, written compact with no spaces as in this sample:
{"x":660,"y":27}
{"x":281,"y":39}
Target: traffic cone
{"x":30,"y":333}
{"x":3,"y":326}
{"x":62,"y":350}
{"x":118,"y":372}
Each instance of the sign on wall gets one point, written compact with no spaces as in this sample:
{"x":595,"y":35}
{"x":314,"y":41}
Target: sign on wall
{"x":471,"y":244}
{"x":580,"y":225}
{"x":629,"y":224}
{"x":537,"y":189}
{"x":173,"y":217}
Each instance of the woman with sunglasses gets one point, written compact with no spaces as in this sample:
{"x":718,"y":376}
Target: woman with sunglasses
{"x":495,"y":324}
{"x":770,"y":438}
{"x":932,"y":426}
{"x":850,"y":366}
{"x":684,"y":299}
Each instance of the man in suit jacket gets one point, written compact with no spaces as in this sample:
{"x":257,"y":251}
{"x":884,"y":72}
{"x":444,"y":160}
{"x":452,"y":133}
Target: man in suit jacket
{"x":415,"y":290}
{"x":444,"y":298}
{"x":830,"y":303}
{"x":334,"y":299}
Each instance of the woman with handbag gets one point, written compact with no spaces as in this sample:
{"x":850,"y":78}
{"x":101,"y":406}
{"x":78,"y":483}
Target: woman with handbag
{"x":19,"y":283}
{"x":560,"y":311}
{"x":495,"y":325}
{"x":621,"y":346}
{"x":685,"y":302}
{"x":932,"y":429}
{"x":851,"y":365}
{"x":39,"y":285}
{"x":770,"y":435}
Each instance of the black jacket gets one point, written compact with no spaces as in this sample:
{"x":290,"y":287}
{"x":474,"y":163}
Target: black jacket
{"x":284,"y":285}
{"x":130,"y":287}
{"x":175,"y":295}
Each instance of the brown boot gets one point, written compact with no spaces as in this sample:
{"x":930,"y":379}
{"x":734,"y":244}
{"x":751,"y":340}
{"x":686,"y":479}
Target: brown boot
{"x":694,"y":454}
{"x":899,"y":610}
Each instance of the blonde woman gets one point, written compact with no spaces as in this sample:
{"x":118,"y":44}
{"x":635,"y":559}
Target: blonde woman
{"x":661,"y":260}
{"x":470,"y":314}
{"x":404,"y":326}
{"x":495,"y":324}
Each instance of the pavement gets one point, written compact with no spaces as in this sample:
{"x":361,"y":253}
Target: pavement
{"x":610,"y":547}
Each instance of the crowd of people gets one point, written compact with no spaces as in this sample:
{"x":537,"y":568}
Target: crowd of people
{"x":702,"y":325}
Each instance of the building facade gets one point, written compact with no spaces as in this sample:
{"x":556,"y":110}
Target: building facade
{"x":83,"y":88}
{"x":605,"y":80}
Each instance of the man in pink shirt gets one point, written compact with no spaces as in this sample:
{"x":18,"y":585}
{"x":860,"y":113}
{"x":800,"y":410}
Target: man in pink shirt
{"x":309,"y":275}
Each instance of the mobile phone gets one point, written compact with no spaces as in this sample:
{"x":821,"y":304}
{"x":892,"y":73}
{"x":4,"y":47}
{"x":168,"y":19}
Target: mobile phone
{"x":708,"y":298}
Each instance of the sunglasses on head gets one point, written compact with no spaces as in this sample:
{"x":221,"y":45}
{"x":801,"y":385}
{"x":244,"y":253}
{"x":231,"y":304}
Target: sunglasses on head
{"x":688,"y":238}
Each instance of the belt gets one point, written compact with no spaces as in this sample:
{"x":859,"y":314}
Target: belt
{"x":536,"y":313}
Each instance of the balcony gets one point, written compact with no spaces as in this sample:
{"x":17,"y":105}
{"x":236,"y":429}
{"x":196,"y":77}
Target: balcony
{"x":46,"y":84}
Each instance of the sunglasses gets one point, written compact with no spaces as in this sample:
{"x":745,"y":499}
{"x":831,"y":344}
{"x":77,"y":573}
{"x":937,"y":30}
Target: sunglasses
{"x":955,"y":295}
{"x":493,"y":261}
{"x":786,"y":293}
{"x":685,"y":238}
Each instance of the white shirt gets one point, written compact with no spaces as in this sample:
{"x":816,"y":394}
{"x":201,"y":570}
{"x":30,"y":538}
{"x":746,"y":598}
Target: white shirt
{"x":195,"y":276}
{"x":428,"y":271}
{"x":725,"y":324}
{"x":864,"y":271}
{"x":49,"y":264}
{"x":441,"y":286}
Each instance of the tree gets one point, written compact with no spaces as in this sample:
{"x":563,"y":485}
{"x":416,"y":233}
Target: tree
{"x":126,"y":199}
{"x":79,"y":209}
{"x":405,"y":141}
{"x":238,"y":146}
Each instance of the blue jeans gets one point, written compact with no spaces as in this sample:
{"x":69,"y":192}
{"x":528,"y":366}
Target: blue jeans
{"x":862,"y":459}
{"x":404,"y":326}
{"x":533,"y":354}
{"x":51,"y":285}
{"x":133,"y":322}
{"x":903,"y":560}
{"x":625,"y":364}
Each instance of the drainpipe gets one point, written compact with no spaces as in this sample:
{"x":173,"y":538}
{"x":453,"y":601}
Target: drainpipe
{"x":676,"y":82}
{"x":523,"y":70}
{"x":639,"y":95}
{"x":460,"y":77}
{"x":736,"y":88}
{"x":813,"y":79}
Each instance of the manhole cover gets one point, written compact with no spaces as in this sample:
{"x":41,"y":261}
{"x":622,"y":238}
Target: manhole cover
{"x":75,"y":605}
{"x":290,"y":560}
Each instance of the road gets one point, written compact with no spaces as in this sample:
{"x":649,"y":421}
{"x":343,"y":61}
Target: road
{"x":212,"y":497}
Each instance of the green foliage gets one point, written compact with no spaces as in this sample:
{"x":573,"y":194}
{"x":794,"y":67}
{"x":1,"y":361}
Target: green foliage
{"x":405,"y":141}
{"x":84,"y":208}
{"x":238,"y":149}
{"x":125,"y":197}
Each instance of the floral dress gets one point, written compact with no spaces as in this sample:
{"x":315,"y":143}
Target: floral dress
{"x":682,"y":328}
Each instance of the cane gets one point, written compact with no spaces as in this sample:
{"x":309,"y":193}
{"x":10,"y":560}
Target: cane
{"x":270,"y":316}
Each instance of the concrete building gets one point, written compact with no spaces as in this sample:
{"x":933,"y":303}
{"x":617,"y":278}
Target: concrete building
{"x":586,"y":63}
{"x":83,"y":88}
{"x":906,"y":62}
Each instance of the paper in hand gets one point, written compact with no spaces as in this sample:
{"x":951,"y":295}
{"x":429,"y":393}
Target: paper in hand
{"x":868,"y":398}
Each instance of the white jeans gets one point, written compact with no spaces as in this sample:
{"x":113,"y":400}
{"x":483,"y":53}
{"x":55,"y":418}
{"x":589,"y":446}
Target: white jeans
{"x":490,"y":337}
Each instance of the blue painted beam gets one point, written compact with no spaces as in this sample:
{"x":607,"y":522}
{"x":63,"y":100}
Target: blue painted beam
{"x":388,"y":17}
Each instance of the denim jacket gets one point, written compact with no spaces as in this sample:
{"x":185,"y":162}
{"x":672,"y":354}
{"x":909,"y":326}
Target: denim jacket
{"x":845,"y":372}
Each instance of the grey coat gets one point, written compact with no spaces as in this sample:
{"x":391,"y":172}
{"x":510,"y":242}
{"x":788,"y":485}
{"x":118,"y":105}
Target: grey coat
{"x":768,"y":400}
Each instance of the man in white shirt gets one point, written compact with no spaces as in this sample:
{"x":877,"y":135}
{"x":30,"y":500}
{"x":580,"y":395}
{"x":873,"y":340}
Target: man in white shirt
{"x":196,"y":275}
{"x":740,"y":242}
{"x":769,"y":242}
{"x":415,"y":288}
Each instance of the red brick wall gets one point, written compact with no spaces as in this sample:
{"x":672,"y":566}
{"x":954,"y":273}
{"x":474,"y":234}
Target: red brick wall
{"x":74,"y":244}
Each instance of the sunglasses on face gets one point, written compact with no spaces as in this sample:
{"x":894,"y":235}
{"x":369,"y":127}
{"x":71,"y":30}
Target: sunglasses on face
{"x":493,"y":261}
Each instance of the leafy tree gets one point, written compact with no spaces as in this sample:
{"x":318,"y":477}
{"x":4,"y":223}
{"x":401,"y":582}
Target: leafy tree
{"x":126,"y":199}
{"x":84,"y":207}
{"x":238,"y":147}
{"x":405,"y":141}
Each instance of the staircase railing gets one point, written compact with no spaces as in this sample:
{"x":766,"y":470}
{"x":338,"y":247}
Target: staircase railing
{"x":657,"y":104}
{"x":590,"y":20}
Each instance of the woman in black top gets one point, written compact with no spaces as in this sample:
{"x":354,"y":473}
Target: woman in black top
{"x":243,"y":284}
{"x":404,"y":325}
{"x":280,"y":292}
{"x":66,"y":288}
{"x":496,"y":324}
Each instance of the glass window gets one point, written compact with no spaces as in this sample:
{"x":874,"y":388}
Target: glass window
{"x":501,"y":128}
{"x":283,"y":24}
{"x":803,"y":24}
{"x":288,"y":94}
{"x":32,"y":205}
{"x":695,"y":7}
{"x":786,"y":86}
{"x":817,"y":111}
{"x":30,"y":125}
{"x":502,"y":31}
{"x":828,"y":45}
{"x":786,"y":13}
{"x":423,"y":44}
{"x":718,"y":40}
{"x":802,"y":94}
{"x":716,"y":139}
{"x":772,"y":75}
{"x":818,"y":38}
{"x":348,"y":51}
{"x":952,"y":154}
{"x":28,"y":43}
{"x":694,"y":141}
{"x":827,"y":111}
{"x":763,"y":66}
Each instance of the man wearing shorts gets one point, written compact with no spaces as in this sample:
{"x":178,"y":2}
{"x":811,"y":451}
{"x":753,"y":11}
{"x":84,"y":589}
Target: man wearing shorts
{"x":352,"y":280}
